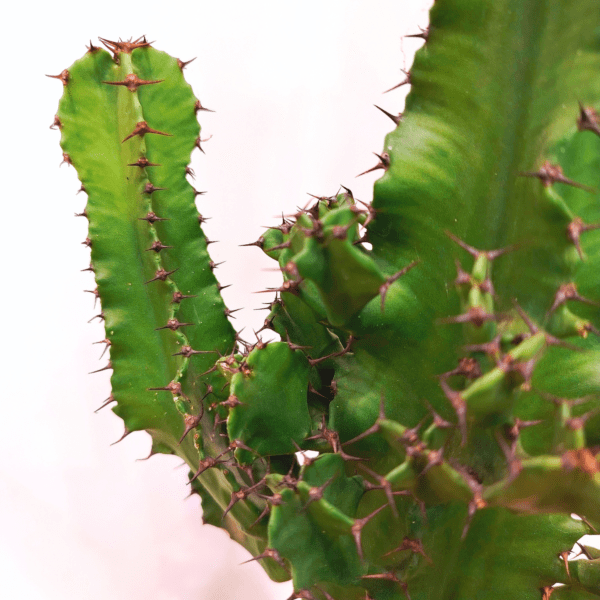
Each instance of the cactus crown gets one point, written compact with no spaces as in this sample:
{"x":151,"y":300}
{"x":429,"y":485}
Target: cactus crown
{"x":439,"y":347}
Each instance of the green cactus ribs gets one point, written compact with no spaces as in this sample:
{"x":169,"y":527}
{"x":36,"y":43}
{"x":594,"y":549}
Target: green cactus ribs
{"x":439,"y":347}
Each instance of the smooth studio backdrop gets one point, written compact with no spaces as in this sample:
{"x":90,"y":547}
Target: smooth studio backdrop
{"x":293,"y":85}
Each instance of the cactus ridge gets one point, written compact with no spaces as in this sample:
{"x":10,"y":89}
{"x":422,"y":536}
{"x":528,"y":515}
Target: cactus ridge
{"x":439,"y":347}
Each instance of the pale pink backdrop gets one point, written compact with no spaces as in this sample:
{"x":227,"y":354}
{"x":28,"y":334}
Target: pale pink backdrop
{"x":293,"y":84}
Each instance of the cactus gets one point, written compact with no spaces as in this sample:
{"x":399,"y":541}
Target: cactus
{"x":439,"y":347}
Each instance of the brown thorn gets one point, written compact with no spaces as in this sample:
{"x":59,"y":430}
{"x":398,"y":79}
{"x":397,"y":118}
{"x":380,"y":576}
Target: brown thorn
{"x":182,"y":65}
{"x":395,"y":118}
{"x":106,"y":403}
{"x":157,"y":246}
{"x":125,"y":434}
{"x":406,"y":81}
{"x":151,"y":218}
{"x":459,"y":406}
{"x":384,"y":163}
{"x":142,"y":128}
{"x":143,"y":162}
{"x":568,"y":291}
{"x":475,"y":253}
{"x":588,"y":120}
{"x":191,"y":422}
{"x":173,"y":325}
{"x":423,"y":34}
{"x":178,"y":297}
{"x":383,"y":289}
{"x":358,"y":526}
{"x":198,"y":106}
{"x":550,"y":173}
{"x":160,"y":275}
{"x":412,"y":545}
{"x":57,"y":123}
{"x":132,"y":82}
{"x":63,"y":76}
{"x":106,"y":368}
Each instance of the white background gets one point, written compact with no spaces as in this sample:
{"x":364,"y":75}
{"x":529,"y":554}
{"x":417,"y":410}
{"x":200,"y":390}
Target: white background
{"x":293,"y":84}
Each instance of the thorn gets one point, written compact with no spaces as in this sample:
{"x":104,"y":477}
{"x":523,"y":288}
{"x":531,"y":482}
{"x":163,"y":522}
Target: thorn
{"x":182,"y":65}
{"x":405,"y":82}
{"x":143,"y":162}
{"x":423,"y":34}
{"x":64,"y":77}
{"x":209,"y":242}
{"x":574,"y":230}
{"x":127,"y":47}
{"x":242,"y":494}
{"x":57,"y":123}
{"x":81,"y":189}
{"x":213,"y":265}
{"x":132,"y":82}
{"x":268,"y":553}
{"x":228,"y":312}
{"x":467,"y":367}
{"x":106,"y":403}
{"x":174,"y":387}
{"x":568,"y":291}
{"x":549,"y":174}
{"x":384,"y":163}
{"x":66,"y":160}
{"x":280,"y":246}
{"x":188,"y":351}
{"x":82,"y":214}
{"x":87,"y":242}
{"x":395,"y":118}
{"x":385,"y":485}
{"x":191,"y":422}
{"x":477,"y":315}
{"x":415,"y":546}
{"x":157,"y":246}
{"x":199,"y":142}
{"x":491,"y":348}
{"x":588,"y":120}
{"x":152,"y":218}
{"x":374,"y":428}
{"x":99,"y":316}
{"x":91,"y":48}
{"x":173,"y":325}
{"x":150,"y":189}
{"x":293,"y":346}
{"x":316,"y":493}
{"x":208,"y":463}
{"x":383,"y":289}
{"x":197,"y":193}
{"x":202,"y":219}
{"x":105,"y":341}
{"x":475,"y":253}
{"x":224,"y":287}
{"x":333,"y":439}
{"x":160,"y":275}
{"x":178,"y":297}
{"x":316,"y":361}
{"x":357,"y":528}
{"x":141,"y":129}
{"x":260,"y":242}
{"x":189,"y":171}
{"x":125,"y":434}
{"x":198,"y":106}
{"x":459,"y":406}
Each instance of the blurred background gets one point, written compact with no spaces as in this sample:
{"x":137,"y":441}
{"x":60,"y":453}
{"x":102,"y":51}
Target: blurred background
{"x":293,"y":85}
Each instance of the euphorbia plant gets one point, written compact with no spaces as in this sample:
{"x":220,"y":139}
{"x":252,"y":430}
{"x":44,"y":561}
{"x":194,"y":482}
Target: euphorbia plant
{"x":439,"y":347}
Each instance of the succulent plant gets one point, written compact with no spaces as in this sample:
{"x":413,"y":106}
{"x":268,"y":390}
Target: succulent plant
{"x":439,"y":347}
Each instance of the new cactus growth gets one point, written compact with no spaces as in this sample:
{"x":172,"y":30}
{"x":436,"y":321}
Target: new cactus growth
{"x":448,"y":374}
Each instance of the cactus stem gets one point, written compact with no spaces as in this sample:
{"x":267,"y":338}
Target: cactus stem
{"x":406,"y":81}
{"x":63,"y":76}
{"x":141,"y":129}
{"x":132,"y":82}
{"x":384,"y":163}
